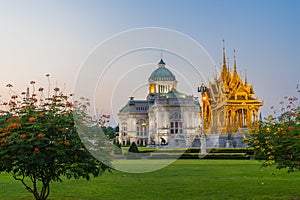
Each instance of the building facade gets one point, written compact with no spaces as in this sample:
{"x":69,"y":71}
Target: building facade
{"x":165,"y":117}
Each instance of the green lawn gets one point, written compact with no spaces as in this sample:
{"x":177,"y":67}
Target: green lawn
{"x":184,"y":179}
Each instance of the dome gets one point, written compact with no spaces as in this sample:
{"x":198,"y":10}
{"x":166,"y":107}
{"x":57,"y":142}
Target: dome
{"x":162,"y":73}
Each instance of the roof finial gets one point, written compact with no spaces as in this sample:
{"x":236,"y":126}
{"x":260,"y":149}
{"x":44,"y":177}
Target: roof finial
{"x":215,"y":73}
{"x":246,"y":81}
{"x":161,"y":62}
{"x":234,"y":64}
{"x":224,"y":57}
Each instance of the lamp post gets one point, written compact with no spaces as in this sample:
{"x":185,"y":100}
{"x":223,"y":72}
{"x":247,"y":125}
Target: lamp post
{"x":202,"y":89}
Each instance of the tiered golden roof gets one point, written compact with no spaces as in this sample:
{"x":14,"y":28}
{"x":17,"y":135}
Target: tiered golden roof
{"x":229,"y":103}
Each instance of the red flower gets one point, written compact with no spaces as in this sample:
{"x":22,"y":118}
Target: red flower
{"x":36,"y":150}
{"x":31,"y":119}
{"x":40,"y":135}
{"x":67,"y":144}
{"x":15,"y":117}
{"x":22,"y":136}
{"x":63,"y":130}
{"x":69,"y":105}
{"x":14,"y":125}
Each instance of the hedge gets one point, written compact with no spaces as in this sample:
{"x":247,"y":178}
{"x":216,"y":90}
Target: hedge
{"x":193,"y":153}
{"x":235,"y":156}
{"x":248,"y":151}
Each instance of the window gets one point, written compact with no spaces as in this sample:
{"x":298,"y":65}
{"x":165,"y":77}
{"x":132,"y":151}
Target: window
{"x":175,"y":123}
{"x":176,"y":127}
{"x":124,"y":130}
{"x":152,"y":88}
{"x":141,"y":127}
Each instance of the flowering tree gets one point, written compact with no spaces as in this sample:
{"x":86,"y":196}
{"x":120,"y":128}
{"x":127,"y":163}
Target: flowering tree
{"x":277,"y":141}
{"x":39,"y":141}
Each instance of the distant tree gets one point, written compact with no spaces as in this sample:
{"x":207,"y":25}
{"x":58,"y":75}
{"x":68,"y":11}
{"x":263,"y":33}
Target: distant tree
{"x":117,"y":129}
{"x":109,"y":131}
{"x":133,"y":148}
{"x":39,"y":141}
{"x":133,"y":151}
{"x":277,"y":141}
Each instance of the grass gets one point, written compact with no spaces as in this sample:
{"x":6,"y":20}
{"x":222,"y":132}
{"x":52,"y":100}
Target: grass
{"x":184,"y":179}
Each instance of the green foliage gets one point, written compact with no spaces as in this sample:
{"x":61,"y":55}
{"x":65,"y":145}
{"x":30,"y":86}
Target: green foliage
{"x":194,"y":153}
{"x":133,"y":152}
{"x":248,"y":151}
{"x":39,"y":143}
{"x":146,"y":150}
{"x":277,"y":141}
{"x":133,"y":148}
{"x":109,"y":131}
{"x":223,"y":156}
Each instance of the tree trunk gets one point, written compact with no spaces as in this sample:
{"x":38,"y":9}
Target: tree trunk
{"x":45,"y":190}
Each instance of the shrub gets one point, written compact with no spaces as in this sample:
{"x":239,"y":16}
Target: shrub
{"x":277,"y":141}
{"x":133,"y":152}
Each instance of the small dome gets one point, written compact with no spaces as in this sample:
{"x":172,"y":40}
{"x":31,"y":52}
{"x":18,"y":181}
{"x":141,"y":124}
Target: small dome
{"x":162,"y":73}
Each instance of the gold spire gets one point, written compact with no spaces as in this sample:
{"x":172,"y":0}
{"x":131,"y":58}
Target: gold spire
{"x":224,"y":72}
{"x":246,"y":81}
{"x":235,"y":73}
{"x":224,"y":57}
{"x":234,"y":64}
{"x":228,"y":65}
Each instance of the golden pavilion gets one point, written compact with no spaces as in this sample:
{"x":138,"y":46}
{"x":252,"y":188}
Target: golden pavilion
{"x":229,"y":103}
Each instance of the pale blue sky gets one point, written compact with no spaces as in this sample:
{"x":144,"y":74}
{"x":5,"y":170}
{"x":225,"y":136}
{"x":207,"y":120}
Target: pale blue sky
{"x":55,"y":36}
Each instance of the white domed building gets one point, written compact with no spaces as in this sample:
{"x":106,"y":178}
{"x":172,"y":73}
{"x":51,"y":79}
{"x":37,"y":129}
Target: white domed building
{"x":166,"y":117}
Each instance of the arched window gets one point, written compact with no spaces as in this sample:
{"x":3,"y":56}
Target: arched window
{"x":123,"y":132}
{"x":175,"y":116}
{"x":124,"y":129}
{"x":141,"y":127}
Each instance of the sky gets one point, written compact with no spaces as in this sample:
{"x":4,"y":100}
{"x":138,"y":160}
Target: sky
{"x":58,"y":37}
